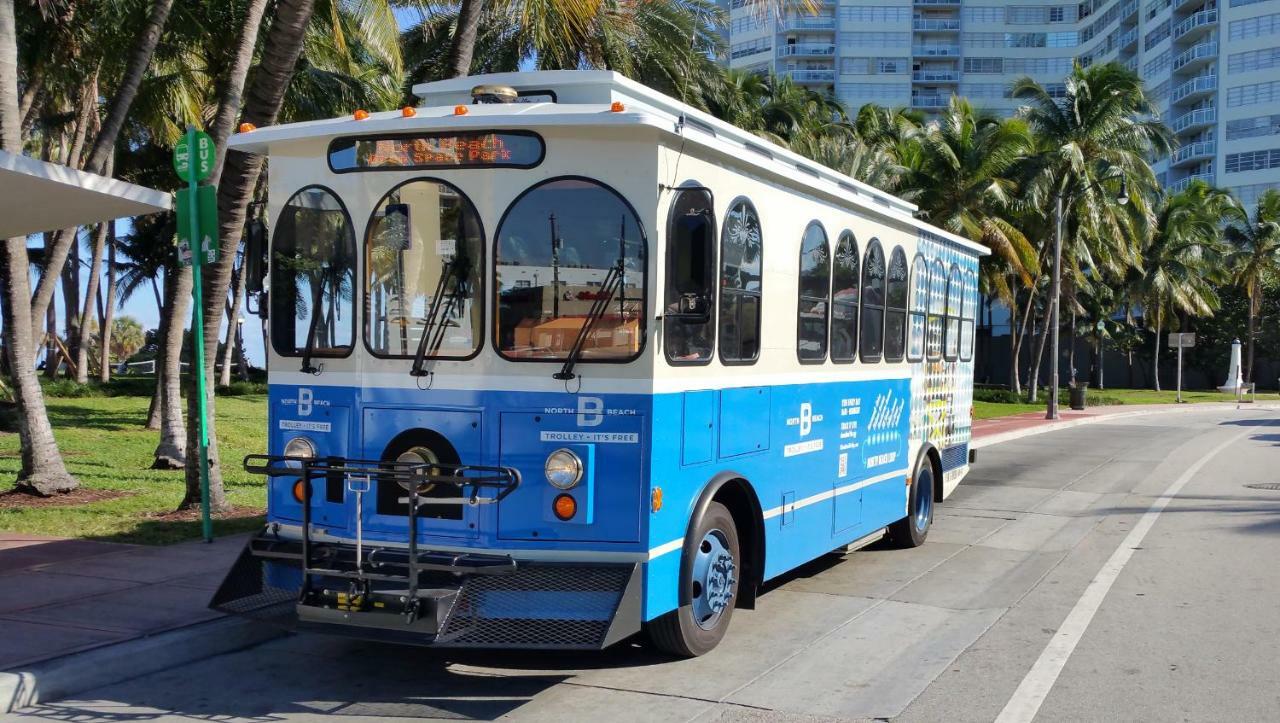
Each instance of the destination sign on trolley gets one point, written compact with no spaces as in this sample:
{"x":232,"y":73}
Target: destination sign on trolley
{"x":460,"y":149}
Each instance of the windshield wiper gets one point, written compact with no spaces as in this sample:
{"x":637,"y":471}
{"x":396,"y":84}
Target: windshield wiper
{"x":437,"y":314}
{"x":310,"y":348}
{"x":613,"y":282}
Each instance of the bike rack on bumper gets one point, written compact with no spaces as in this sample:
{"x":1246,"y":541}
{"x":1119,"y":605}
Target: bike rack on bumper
{"x":402,"y":593}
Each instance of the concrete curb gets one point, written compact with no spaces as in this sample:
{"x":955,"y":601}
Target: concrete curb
{"x":994,"y":439}
{"x":78,"y":672}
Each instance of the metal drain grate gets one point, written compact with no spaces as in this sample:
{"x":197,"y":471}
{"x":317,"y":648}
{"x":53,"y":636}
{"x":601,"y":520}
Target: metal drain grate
{"x":1273,"y":486}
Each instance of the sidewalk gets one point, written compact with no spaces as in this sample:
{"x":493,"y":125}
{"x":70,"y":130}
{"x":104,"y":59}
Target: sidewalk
{"x":59,"y":596}
{"x":987,"y":432}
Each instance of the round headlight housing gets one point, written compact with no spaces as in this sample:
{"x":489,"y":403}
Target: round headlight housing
{"x":563,"y":469}
{"x":300,"y":448}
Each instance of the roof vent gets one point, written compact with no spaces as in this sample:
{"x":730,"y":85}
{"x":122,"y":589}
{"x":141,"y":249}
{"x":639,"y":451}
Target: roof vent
{"x":493,"y":94}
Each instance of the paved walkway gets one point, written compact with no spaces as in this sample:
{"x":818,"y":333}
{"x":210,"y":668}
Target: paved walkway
{"x":59,"y":597}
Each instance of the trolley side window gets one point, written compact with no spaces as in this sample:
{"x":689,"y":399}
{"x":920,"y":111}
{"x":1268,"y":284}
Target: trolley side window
{"x":955,"y":282}
{"x":873,"y":292}
{"x":814,"y":295}
{"x":918,"y":308}
{"x":937,"y":301}
{"x":741,"y":248}
{"x":895,"y":314}
{"x":424,"y":254}
{"x":688,"y":332}
{"x":968,"y":316}
{"x":844,"y":299}
{"x":563,"y":245}
{"x":313,"y":276}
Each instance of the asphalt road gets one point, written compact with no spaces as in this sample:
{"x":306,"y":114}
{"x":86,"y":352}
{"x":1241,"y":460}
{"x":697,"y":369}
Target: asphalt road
{"x":1122,"y":570}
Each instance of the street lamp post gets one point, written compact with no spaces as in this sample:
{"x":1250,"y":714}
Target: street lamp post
{"x":1055,"y":296}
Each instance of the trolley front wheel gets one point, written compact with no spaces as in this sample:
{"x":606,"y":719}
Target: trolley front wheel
{"x":711,"y":571}
{"x":912,"y":530}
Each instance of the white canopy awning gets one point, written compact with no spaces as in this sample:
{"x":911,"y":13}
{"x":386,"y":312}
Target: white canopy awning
{"x":36,"y":196}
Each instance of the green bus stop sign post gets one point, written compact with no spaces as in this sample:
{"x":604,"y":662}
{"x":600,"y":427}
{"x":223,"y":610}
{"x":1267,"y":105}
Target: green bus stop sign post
{"x":193,"y":160}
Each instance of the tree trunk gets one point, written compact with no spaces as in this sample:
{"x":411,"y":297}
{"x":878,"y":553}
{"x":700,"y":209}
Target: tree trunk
{"x":109,"y":310}
{"x":171,"y":452}
{"x":233,"y":318}
{"x":42,"y":471}
{"x":1254,"y":299}
{"x":1015,"y":363}
{"x":464,"y":37}
{"x":1155,"y":366}
{"x":236,"y":175}
{"x":90,"y":296}
{"x":1034,"y":388}
{"x":153,"y":409}
{"x":1071,"y":348}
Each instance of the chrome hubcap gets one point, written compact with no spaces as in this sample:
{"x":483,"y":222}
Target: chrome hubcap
{"x":714,"y":577}
{"x":924,"y":500}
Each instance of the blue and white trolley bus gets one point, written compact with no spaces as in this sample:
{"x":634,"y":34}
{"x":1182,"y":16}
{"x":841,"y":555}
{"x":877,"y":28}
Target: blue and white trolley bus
{"x":556,"y":359}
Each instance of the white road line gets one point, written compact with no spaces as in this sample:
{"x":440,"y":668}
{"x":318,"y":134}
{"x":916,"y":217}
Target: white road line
{"x":1035,"y":687}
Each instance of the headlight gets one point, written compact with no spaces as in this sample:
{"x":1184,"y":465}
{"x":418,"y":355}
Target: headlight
{"x":300,"y":448}
{"x":563,"y":469}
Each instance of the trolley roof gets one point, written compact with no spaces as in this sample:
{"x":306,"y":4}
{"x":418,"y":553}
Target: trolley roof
{"x":584,"y":98}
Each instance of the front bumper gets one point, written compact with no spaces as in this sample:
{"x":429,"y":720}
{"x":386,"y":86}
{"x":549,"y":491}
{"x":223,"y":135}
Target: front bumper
{"x":474,"y":600}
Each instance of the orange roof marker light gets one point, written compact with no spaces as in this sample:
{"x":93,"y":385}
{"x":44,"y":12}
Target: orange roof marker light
{"x":361,"y":115}
{"x":248,"y":128}
{"x":459,"y":110}
{"x":617,"y":107}
{"x":408,"y":111}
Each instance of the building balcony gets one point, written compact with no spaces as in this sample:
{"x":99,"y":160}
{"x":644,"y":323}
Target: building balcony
{"x":1181,"y":185}
{"x":818,"y":22}
{"x":1128,"y":9}
{"x":1193,"y":90}
{"x":930,"y":101}
{"x":934,"y":3}
{"x":806,"y":77}
{"x":1194,"y":120}
{"x":1131,"y":64}
{"x":1194,"y":153}
{"x":1127,"y":38}
{"x":935,"y":25}
{"x":936,"y":76}
{"x":936,"y":51}
{"x":1195,"y":25}
{"x":801,"y":50}
{"x":1195,"y":57}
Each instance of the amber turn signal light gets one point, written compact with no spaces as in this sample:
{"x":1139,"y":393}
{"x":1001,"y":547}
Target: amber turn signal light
{"x":248,"y":128}
{"x":361,"y":115}
{"x":408,"y":111}
{"x":617,"y":107}
{"x":565,"y":507}
{"x":459,"y":110}
{"x":299,"y":491}
{"x":655,"y":499}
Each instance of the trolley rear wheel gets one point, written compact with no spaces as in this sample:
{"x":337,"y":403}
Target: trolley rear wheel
{"x":711,"y":571}
{"x":912,"y":530}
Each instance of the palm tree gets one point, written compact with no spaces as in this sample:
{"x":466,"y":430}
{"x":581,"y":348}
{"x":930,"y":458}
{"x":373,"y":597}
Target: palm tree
{"x":43,"y":471}
{"x":126,"y":338}
{"x":1181,"y":260}
{"x":1094,"y":141}
{"x":1254,"y":257}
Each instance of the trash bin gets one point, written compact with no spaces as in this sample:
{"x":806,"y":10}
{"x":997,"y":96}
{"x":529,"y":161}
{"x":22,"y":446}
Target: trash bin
{"x":1077,"y":396}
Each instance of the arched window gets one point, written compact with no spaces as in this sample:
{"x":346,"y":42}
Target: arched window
{"x":871,"y":347}
{"x":844,"y":300}
{"x":313,"y":259}
{"x":424,"y":239}
{"x":741,"y":248}
{"x":814,"y":295}
{"x":688,"y":328}
{"x":937,"y":307}
{"x":561,"y":247}
{"x":968,"y":315}
{"x":955,"y":294}
{"x":918,"y":308}
{"x":895,"y":313}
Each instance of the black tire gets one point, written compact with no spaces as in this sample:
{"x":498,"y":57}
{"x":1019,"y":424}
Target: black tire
{"x":680,"y":632}
{"x":911,"y":531}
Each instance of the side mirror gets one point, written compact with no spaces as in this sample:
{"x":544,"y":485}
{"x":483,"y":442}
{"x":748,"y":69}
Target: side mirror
{"x":255,"y":256}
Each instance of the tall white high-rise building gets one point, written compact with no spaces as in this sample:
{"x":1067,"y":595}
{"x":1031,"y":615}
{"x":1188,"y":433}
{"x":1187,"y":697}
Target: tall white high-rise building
{"x":1213,"y":70}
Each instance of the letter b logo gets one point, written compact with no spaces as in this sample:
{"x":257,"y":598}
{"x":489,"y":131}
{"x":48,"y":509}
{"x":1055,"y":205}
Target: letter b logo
{"x":590,"y":411}
{"x":806,"y":418}
{"x":304,"y":402}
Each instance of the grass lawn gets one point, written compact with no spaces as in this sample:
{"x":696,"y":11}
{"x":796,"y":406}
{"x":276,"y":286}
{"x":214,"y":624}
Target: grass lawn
{"x":1104,"y":398}
{"x":108,"y":449}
